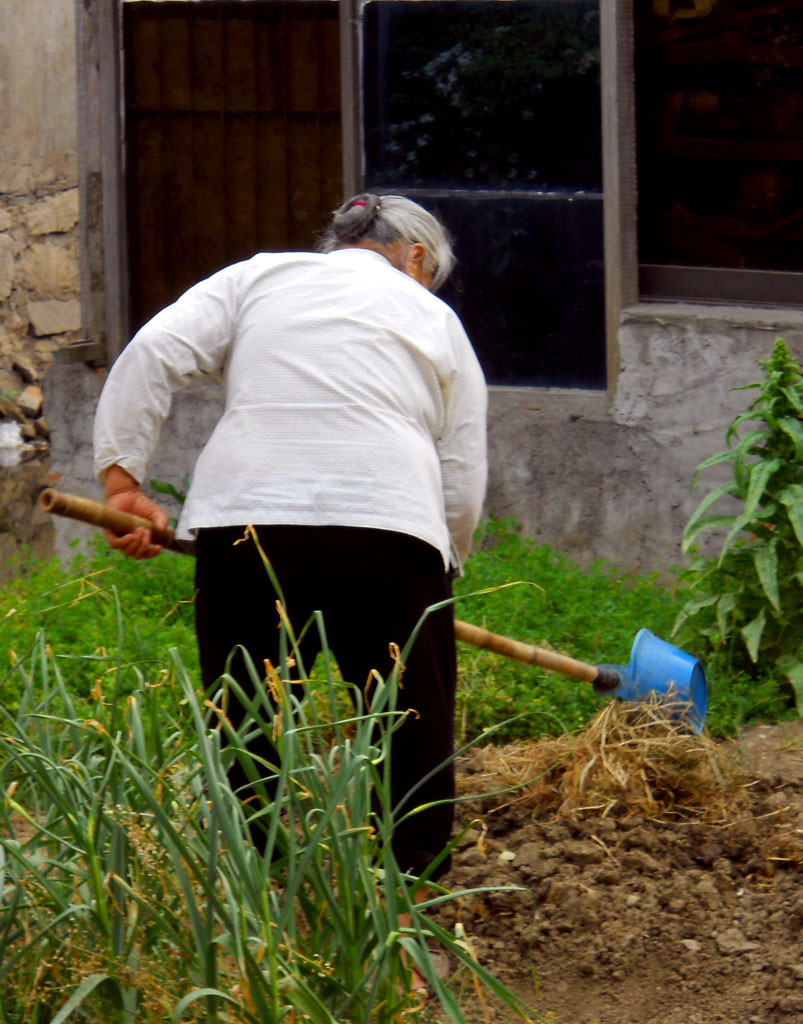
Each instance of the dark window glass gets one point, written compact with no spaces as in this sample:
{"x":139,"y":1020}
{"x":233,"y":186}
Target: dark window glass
{"x":491,"y":95}
{"x":489,"y":113}
{"x":719,"y":90}
{"x":529,"y":285}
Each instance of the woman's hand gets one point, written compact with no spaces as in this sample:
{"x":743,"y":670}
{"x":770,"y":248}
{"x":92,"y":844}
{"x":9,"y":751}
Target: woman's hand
{"x":123,"y":493}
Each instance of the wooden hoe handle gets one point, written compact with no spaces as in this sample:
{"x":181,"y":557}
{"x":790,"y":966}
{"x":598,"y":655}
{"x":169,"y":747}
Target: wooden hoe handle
{"x":479,"y":637}
{"x":87,"y":511}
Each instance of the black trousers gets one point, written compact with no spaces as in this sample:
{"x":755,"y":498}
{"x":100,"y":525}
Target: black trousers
{"x":371,"y":587}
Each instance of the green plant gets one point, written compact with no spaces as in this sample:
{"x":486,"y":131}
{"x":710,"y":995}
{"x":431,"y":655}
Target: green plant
{"x":170,"y":490}
{"x":164,"y":487}
{"x":746,"y":602}
{"x":82,"y":601}
{"x":132,"y":891}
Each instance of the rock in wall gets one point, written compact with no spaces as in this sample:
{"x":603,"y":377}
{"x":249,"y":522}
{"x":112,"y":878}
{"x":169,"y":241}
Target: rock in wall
{"x":22,"y":526}
{"x":40,"y":311}
{"x":40,"y":304}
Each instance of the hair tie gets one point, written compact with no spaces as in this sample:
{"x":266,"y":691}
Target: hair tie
{"x":358,"y":202}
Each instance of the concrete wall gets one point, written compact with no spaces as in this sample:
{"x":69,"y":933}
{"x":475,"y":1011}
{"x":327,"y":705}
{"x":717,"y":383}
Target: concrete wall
{"x":593,"y":476}
{"x":610,"y":478}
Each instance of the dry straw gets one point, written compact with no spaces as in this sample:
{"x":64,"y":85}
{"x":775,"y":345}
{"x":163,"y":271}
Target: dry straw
{"x":632,"y":760}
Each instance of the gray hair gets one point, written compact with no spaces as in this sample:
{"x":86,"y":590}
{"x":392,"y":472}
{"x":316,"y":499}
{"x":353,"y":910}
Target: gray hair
{"x":388,"y":219}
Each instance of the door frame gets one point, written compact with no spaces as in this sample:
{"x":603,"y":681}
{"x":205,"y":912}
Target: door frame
{"x":101,"y":161}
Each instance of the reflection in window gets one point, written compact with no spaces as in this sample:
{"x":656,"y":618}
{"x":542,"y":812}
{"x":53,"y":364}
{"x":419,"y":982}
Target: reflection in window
{"x":493,"y":95}
{"x":720,"y":133}
{"x":489,"y":113}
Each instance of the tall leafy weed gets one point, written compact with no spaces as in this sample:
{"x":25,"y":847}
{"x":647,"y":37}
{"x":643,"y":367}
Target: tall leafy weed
{"x":746,"y":602}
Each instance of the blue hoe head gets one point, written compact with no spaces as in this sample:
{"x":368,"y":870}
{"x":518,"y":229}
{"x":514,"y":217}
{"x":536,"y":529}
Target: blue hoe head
{"x":657,"y":667}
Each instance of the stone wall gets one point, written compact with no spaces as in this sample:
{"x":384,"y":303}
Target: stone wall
{"x":39,"y":264}
{"x":40,"y":310}
{"x":23,"y":528}
{"x":40,"y":286}
{"x":40,"y":307}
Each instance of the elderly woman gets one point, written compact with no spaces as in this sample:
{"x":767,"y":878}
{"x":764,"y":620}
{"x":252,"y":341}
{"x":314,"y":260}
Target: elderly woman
{"x":353,"y":439}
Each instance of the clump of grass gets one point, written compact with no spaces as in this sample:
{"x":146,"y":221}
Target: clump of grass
{"x":632,"y":760}
{"x":78,"y":606}
{"x":132,"y":890}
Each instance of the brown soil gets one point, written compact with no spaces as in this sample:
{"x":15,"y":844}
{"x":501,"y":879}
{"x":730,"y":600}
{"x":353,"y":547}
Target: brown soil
{"x":635,"y":912}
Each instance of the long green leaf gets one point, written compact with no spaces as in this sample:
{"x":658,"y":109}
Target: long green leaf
{"x":747,"y":446}
{"x":724,"y":490}
{"x":86,"y":988}
{"x":760,"y":475}
{"x":795,"y":398}
{"x":203,"y":993}
{"x":750,"y":439}
{"x":792,"y":498}
{"x":792,"y":667}
{"x":725,"y":606}
{"x":712,"y":460}
{"x":692,"y":608}
{"x":752,"y":634}
{"x":793,"y":428}
{"x":765,"y":559}
{"x":709,"y":523}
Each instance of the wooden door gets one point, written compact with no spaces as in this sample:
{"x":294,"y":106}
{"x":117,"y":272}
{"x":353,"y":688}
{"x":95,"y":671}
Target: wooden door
{"x":232,"y":136}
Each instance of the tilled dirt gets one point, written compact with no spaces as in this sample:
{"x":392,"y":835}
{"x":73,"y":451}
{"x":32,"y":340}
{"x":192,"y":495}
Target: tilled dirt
{"x":627,"y":919}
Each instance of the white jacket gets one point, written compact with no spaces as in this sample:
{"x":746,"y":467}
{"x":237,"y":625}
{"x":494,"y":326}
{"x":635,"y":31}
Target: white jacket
{"x":352,"y":398}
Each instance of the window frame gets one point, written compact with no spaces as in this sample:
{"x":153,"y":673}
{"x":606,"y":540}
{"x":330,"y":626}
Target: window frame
{"x":620,"y":264}
{"x":620,"y":251}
